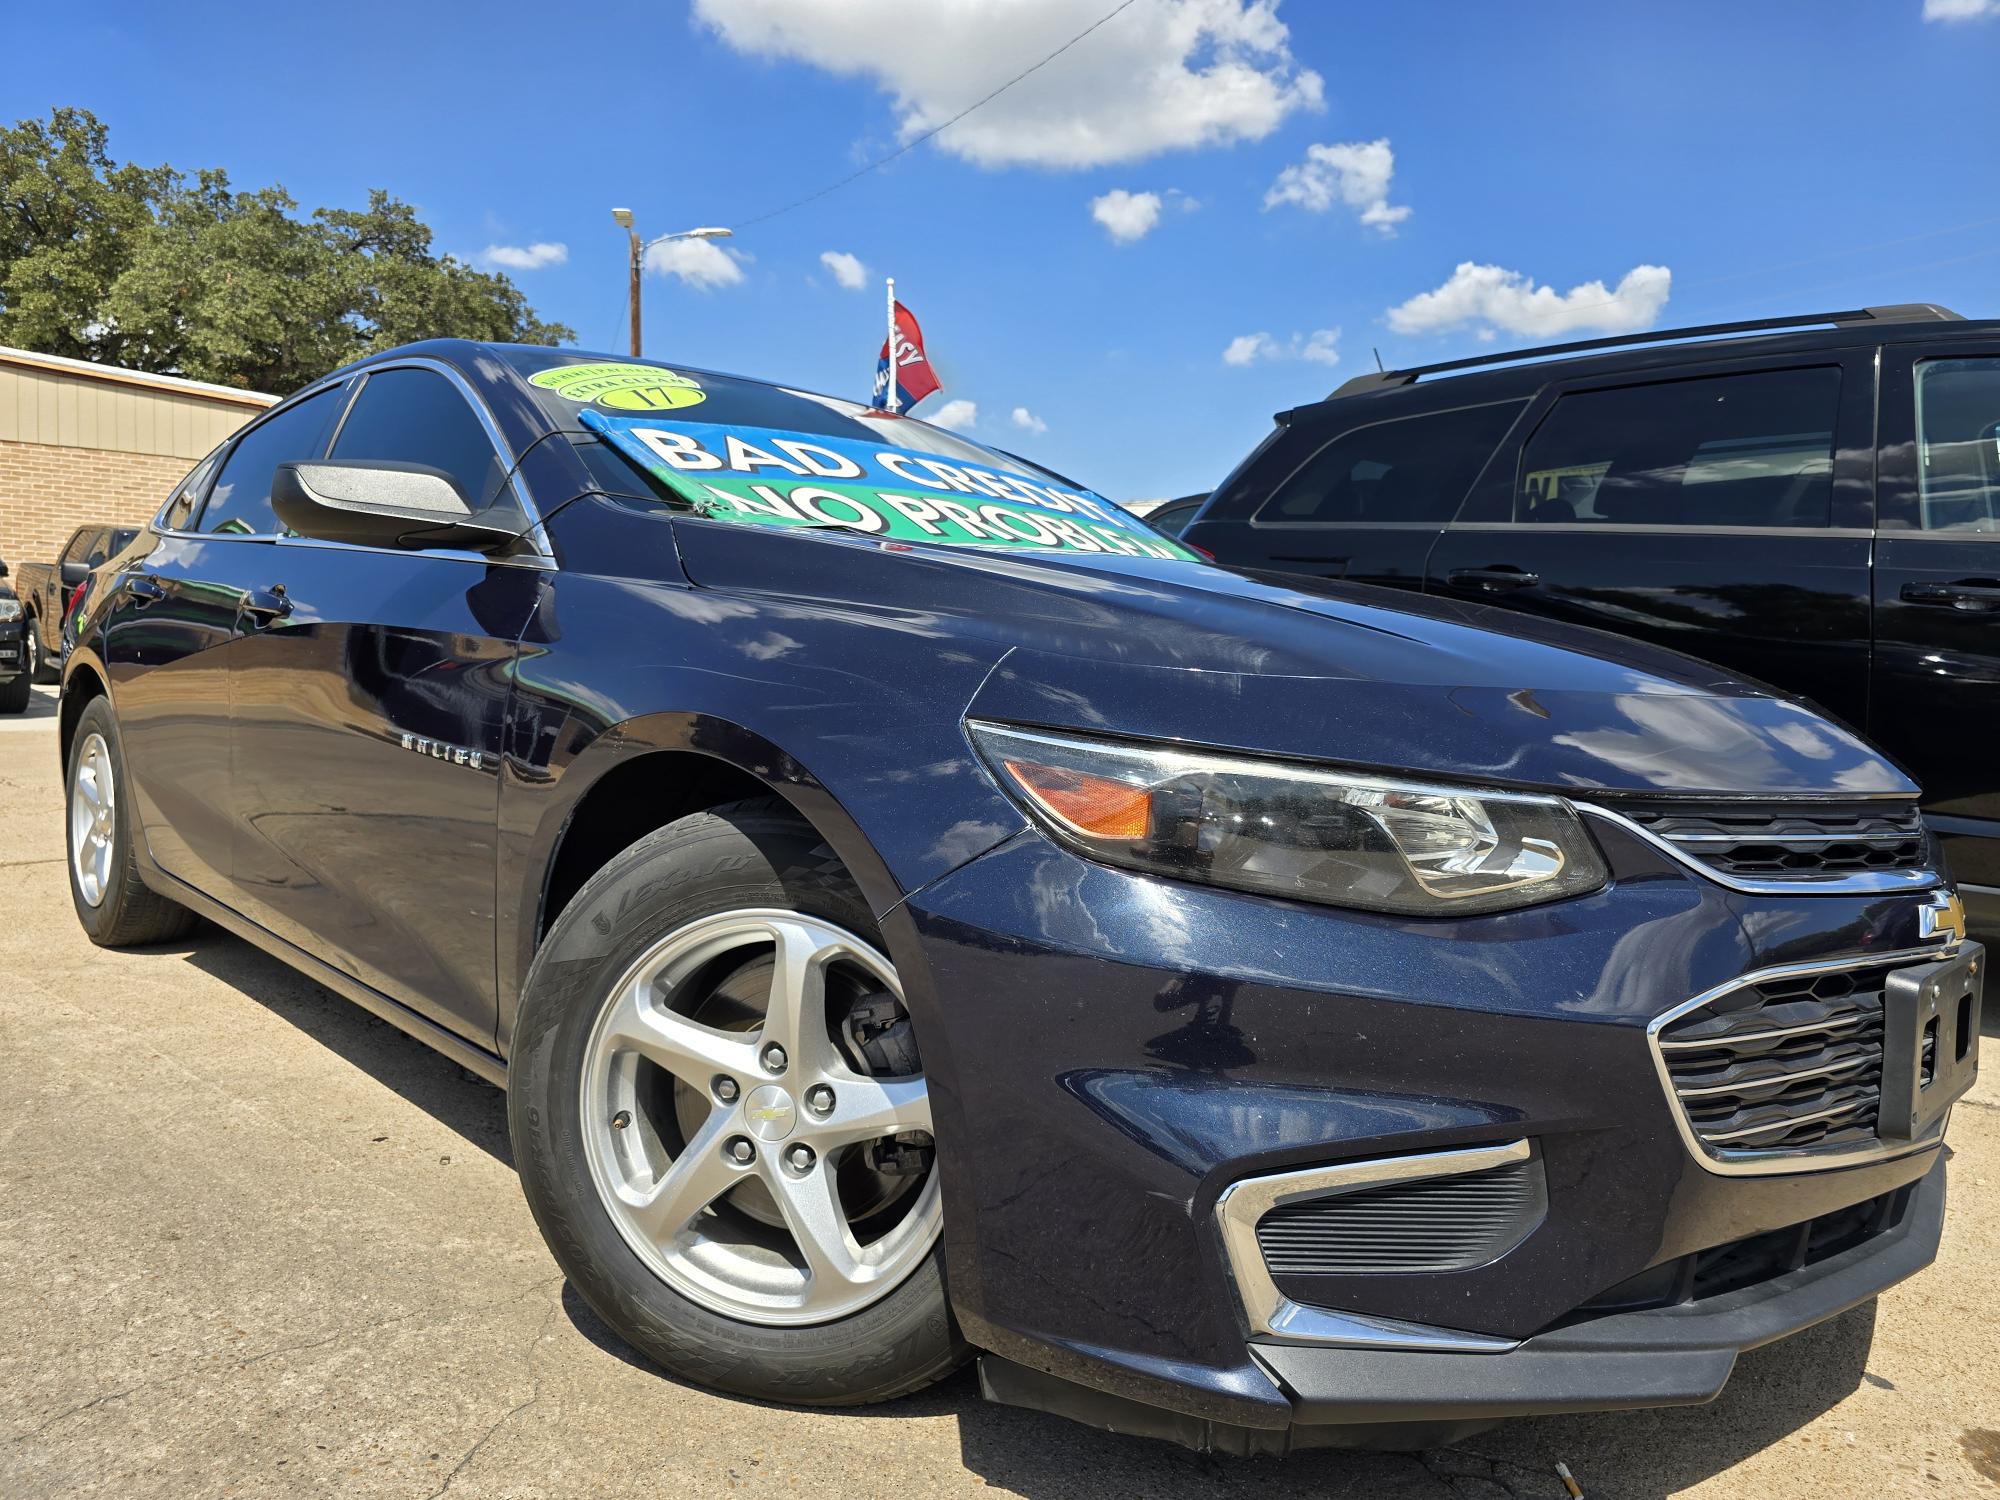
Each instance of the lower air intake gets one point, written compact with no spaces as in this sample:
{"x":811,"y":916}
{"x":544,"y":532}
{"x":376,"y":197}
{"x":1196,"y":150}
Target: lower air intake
{"x":1427,"y":1224}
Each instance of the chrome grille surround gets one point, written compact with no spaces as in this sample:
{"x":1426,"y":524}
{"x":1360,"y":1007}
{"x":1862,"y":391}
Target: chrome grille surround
{"x":1275,"y":1318}
{"x":1787,"y":848}
{"x":1793,"y":1073}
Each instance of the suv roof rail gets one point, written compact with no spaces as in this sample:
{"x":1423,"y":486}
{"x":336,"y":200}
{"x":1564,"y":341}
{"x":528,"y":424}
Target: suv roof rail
{"x":1903,"y":312}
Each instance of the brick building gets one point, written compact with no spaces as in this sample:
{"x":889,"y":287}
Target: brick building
{"x":81,"y":442}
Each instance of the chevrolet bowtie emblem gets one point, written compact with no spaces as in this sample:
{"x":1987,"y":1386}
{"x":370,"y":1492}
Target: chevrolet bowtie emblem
{"x":1942,"y":917}
{"x":771,"y":1112}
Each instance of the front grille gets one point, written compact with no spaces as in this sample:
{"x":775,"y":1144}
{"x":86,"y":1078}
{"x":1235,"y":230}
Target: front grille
{"x":1799,"y":841}
{"x":1782,"y":1064}
{"x":1426,"y":1224}
{"x":1752,"y":1261}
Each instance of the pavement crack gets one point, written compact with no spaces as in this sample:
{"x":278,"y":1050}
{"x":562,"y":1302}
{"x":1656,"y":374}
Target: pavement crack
{"x":534,"y":1396}
{"x":81,"y":1408}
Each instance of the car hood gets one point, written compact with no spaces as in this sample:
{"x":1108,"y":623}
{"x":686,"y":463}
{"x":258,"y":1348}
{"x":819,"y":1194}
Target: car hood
{"x":1333,"y":672}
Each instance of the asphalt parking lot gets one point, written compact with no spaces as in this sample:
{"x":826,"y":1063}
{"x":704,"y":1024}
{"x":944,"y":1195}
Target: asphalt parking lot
{"x":255,"y":1242}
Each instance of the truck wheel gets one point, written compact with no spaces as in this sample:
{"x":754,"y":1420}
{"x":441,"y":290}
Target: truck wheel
{"x":39,"y":667}
{"x":116,"y":908}
{"x":14,"y":694}
{"x":721,"y":1123}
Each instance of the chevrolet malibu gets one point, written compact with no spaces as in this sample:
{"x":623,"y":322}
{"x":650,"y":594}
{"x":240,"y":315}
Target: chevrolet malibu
{"x":917,"y":911}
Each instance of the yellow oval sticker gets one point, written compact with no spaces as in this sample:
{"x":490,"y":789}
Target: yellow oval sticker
{"x":621,"y":387}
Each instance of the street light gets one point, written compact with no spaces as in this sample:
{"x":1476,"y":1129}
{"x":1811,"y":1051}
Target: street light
{"x":623,"y":218}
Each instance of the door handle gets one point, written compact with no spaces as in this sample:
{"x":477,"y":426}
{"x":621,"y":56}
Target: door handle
{"x":1496,"y":580}
{"x":145,"y":587}
{"x":1967,"y":595}
{"x":267,"y":605}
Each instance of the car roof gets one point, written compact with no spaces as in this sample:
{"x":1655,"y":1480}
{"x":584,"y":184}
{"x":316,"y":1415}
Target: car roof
{"x":1521,"y":372}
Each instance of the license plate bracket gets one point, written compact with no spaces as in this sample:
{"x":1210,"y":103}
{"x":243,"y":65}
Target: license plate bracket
{"x":1930,"y":1041}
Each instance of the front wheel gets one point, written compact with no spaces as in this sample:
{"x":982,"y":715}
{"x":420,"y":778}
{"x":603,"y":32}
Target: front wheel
{"x":721,"y":1121}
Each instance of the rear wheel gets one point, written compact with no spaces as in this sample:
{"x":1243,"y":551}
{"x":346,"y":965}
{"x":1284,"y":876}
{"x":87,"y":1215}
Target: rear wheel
{"x":721,"y":1121}
{"x":116,"y":908}
{"x":40,"y":668}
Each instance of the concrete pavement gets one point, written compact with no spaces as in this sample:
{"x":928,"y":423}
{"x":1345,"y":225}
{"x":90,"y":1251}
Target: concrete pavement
{"x":254,"y":1242}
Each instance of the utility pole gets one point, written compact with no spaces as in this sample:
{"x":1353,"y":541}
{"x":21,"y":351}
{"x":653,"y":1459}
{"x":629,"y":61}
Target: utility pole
{"x":623,"y":218}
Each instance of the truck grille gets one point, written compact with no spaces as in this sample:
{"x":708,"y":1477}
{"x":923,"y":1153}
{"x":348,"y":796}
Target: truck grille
{"x":1796,"y":842}
{"x":1427,"y":1224}
{"x":1783,"y":1064}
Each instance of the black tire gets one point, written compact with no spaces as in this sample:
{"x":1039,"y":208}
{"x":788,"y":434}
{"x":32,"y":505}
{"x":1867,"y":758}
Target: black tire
{"x":131,"y":914}
{"x":745,"y":855}
{"x":40,"y":668}
{"x":14,"y":694}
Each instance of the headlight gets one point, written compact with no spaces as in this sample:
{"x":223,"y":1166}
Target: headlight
{"x":1296,"y":831}
{"x":10,"y":609}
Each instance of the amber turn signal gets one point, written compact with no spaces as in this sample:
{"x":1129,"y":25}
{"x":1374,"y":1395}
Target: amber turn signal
{"x":1095,"y":805}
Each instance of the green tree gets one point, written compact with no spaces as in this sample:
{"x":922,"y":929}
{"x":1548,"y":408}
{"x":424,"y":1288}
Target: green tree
{"x":156,"y":271}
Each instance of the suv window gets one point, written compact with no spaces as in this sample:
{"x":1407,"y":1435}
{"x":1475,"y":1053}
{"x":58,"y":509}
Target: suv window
{"x":1958,"y":444}
{"x":1729,"y":450}
{"x":1411,"y":469}
{"x":179,"y":514}
{"x":418,"y":417}
{"x":240,"y":503}
{"x":80,"y":545}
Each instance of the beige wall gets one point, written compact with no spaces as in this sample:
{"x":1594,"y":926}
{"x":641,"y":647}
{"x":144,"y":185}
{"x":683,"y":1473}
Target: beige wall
{"x":83,"y":443}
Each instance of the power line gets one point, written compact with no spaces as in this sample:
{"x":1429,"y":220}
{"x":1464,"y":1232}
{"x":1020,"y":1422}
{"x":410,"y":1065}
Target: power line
{"x":911,"y":145}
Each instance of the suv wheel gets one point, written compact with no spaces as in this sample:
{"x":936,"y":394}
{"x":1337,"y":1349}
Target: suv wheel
{"x":116,"y":908}
{"x":721,"y":1122}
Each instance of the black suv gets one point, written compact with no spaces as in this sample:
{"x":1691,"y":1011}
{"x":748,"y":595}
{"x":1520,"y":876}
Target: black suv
{"x":1814,"y":502}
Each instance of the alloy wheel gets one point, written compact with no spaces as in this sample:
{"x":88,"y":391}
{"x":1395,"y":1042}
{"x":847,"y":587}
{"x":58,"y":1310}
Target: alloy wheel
{"x":92,"y":819}
{"x":738,"y":1133}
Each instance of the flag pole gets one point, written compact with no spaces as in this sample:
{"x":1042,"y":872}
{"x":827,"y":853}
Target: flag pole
{"x":892,"y":344}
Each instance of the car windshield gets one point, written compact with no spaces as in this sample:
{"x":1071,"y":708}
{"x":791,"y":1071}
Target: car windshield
{"x":763,"y":455}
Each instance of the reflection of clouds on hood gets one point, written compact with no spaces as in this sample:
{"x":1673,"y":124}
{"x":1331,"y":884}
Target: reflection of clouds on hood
{"x":1704,"y":744}
{"x":769,"y":646}
{"x":1804,"y":740}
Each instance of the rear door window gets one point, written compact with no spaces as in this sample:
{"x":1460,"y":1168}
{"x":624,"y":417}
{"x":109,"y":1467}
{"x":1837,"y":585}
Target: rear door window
{"x":1412,"y":469}
{"x":1752,"y":450}
{"x":1958,"y":445}
{"x":240,"y":504}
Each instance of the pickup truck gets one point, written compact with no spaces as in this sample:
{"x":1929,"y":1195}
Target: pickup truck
{"x":45,"y":589}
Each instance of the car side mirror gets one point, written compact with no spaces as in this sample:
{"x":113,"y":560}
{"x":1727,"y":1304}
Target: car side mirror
{"x":73,"y":573}
{"x":3,"y":567}
{"x":382,"y":504}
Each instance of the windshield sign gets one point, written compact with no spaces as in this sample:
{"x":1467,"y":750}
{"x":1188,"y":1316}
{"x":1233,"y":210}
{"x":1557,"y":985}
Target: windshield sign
{"x":760,"y":476}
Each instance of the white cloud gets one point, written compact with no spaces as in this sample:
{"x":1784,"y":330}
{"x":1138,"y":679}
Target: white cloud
{"x":1248,"y":348}
{"x":1960,"y":10}
{"x":1024,"y":418}
{"x":957,"y":415}
{"x":524,"y":257}
{"x":1126,"y":216}
{"x":847,"y":270}
{"x":701,"y":263}
{"x":1513,"y":303}
{"x":1320,"y":347}
{"x":1169,"y":75}
{"x":1355,"y":173}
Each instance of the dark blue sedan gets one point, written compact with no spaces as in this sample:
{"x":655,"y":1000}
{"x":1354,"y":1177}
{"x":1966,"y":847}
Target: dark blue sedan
{"x":917,"y":910}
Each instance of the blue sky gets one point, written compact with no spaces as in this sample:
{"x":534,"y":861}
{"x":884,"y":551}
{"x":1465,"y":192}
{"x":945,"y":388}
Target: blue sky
{"x":1757,"y":158}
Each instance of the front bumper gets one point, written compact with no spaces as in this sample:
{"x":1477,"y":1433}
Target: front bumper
{"x":1109,"y":1054}
{"x":13,"y":650}
{"x":1668,"y":1356}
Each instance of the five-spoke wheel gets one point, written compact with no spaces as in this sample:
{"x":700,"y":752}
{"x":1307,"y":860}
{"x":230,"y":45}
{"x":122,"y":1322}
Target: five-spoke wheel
{"x":731,"y":1128}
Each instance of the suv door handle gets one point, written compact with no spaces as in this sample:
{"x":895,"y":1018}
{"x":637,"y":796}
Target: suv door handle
{"x":145,"y":587}
{"x":268,"y":605}
{"x":1494,"y":580}
{"x":1967,"y":595}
